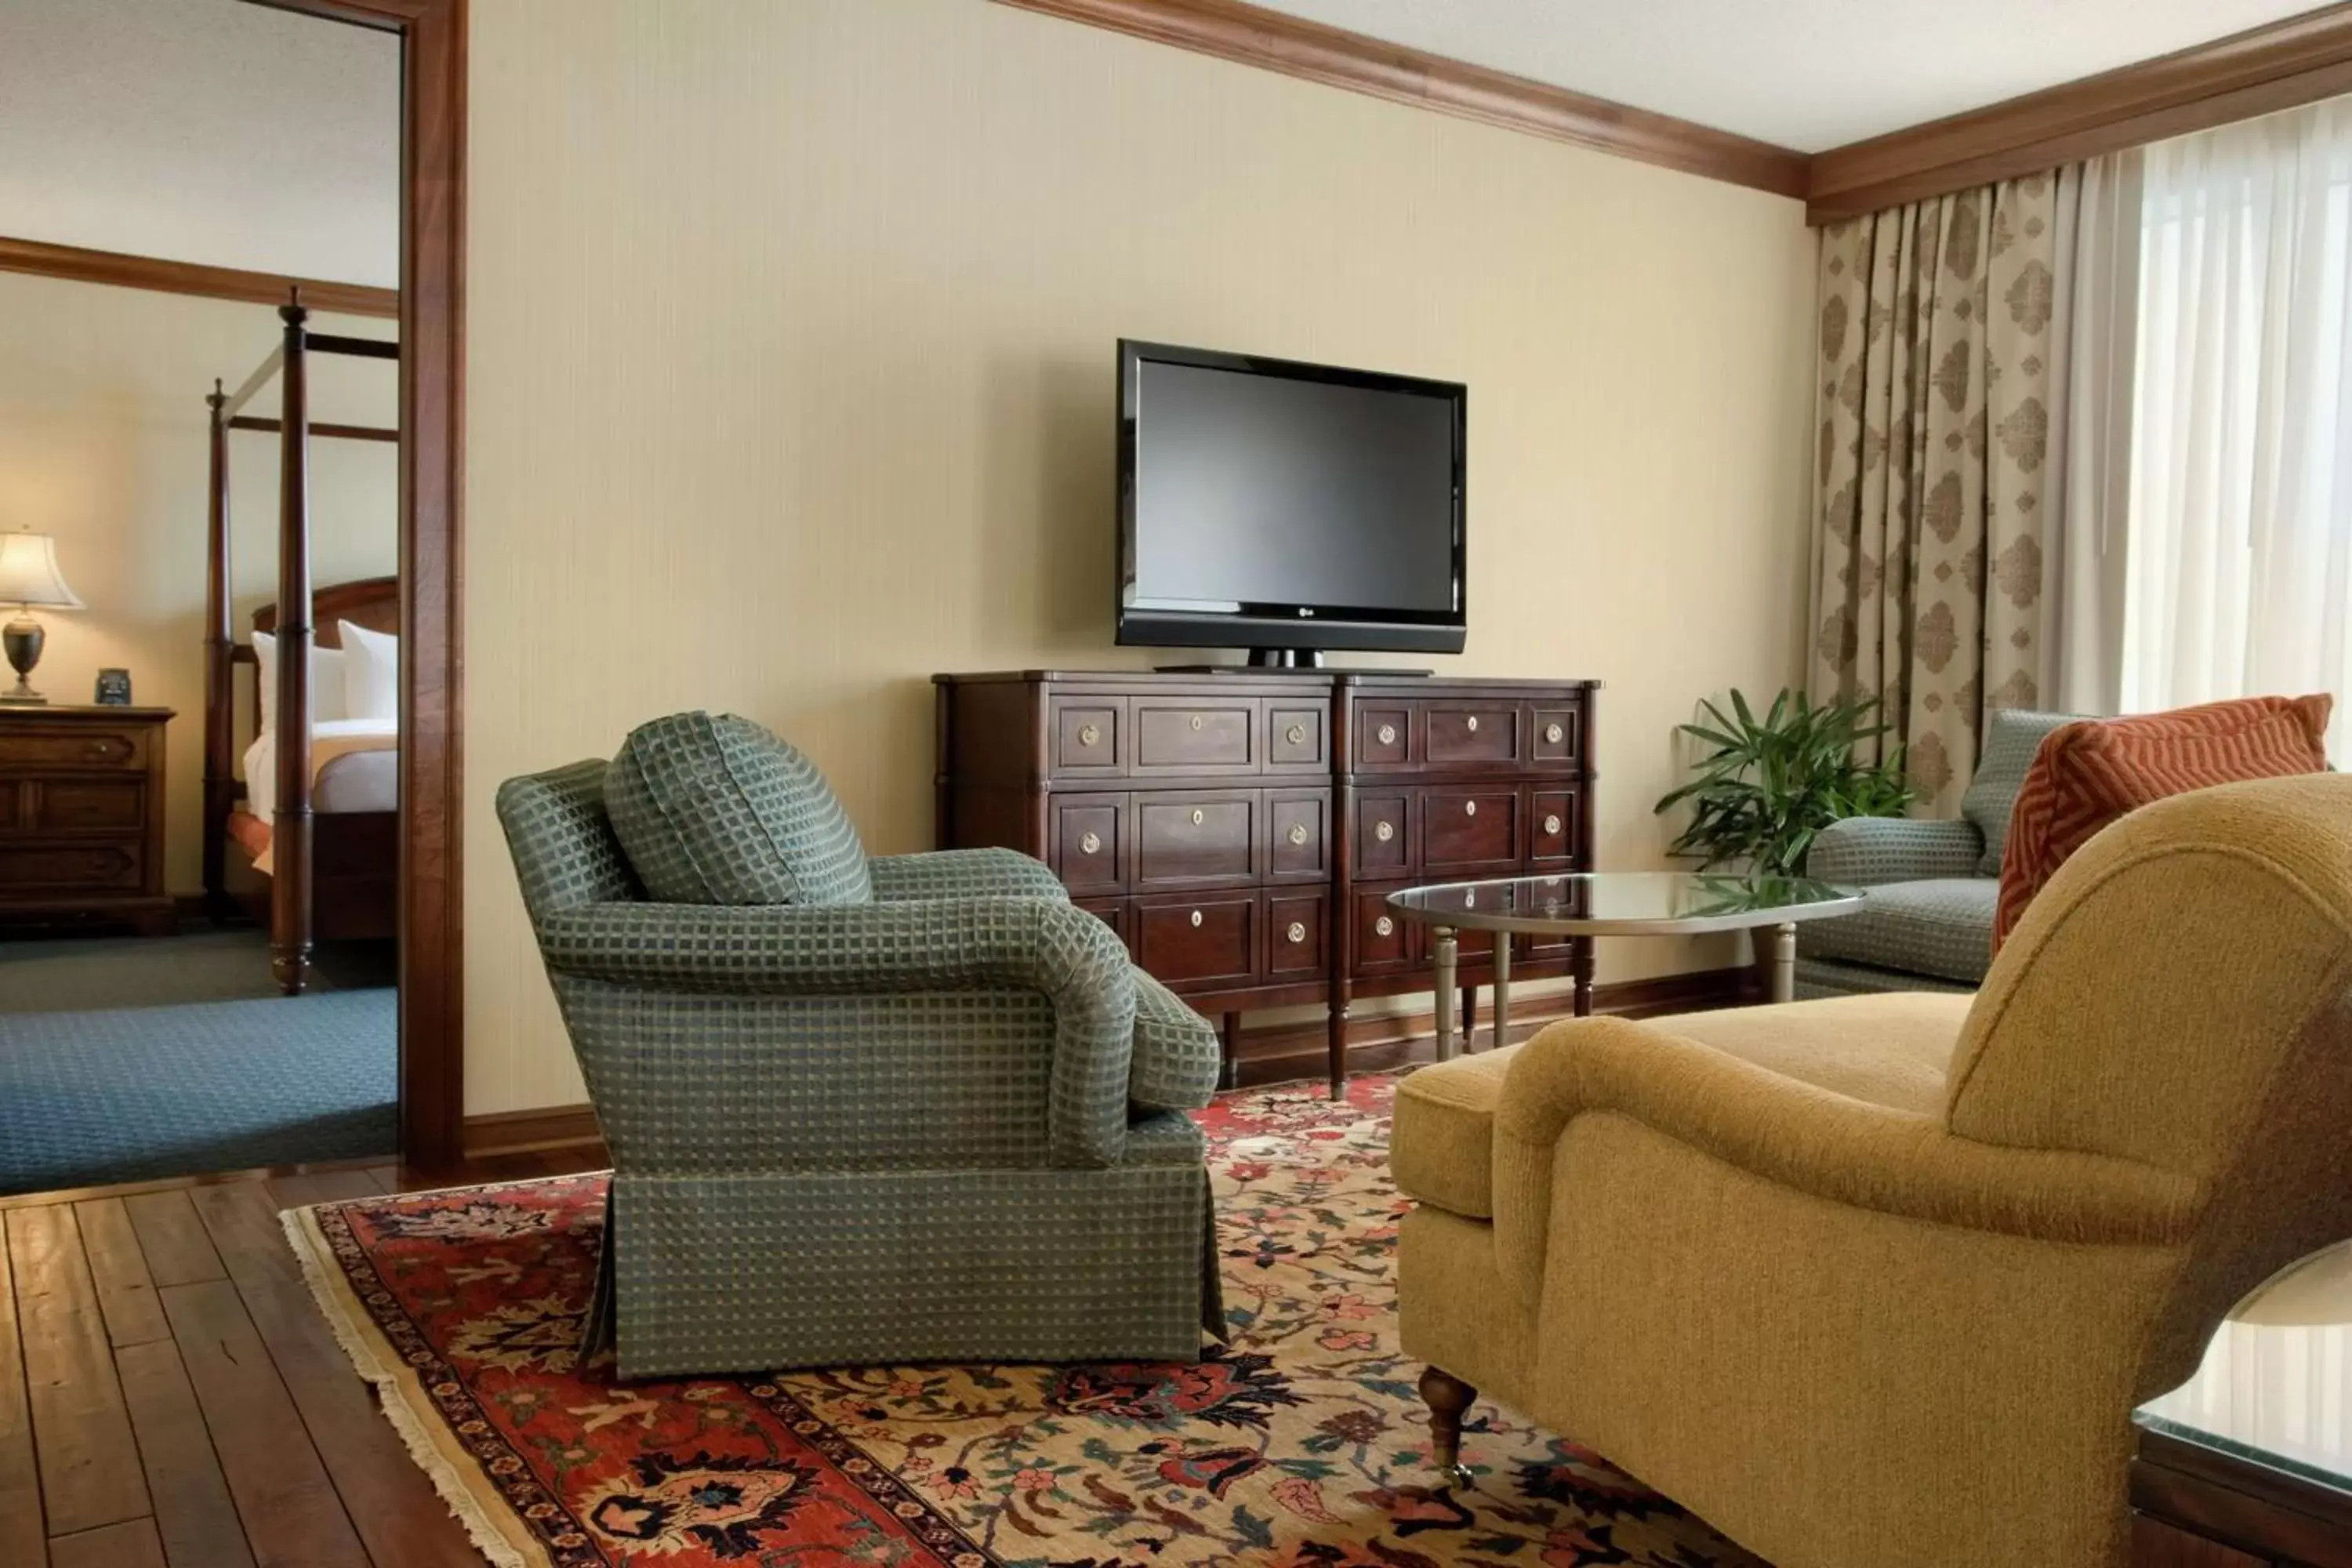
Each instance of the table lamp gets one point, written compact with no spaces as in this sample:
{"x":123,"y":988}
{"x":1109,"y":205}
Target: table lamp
{"x":29,"y":580}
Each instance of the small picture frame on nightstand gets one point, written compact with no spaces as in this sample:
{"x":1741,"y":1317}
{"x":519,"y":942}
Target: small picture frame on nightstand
{"x":114,"y":688}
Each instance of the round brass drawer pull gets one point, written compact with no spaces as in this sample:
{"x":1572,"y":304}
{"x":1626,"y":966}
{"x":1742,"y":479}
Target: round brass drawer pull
{"x":1196,"y":917}
{"x":1090,"y":842}
{"x":1199,"y":816}
{"x":1551,"y":826}
{"x":1384,"y":926}
{"x":1387,"y":733}
{"x":1554,"y":734}
{"x":1473,"y":723}
{"x":1298,"y":833}
{"x":1196,"y":720}
{"x":1297,"y":931}
{"x":1383,"y":832}
{"x":1295,"y":734}
{"x":1089,"y":733}
{"x":1469,"y":808}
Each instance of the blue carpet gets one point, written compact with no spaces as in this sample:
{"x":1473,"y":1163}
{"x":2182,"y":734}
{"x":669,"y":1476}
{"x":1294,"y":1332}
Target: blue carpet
{"x":91,"y":1095}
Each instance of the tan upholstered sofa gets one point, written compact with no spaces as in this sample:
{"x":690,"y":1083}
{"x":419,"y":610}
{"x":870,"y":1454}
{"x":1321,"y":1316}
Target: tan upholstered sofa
{"x":1877,"y":1280}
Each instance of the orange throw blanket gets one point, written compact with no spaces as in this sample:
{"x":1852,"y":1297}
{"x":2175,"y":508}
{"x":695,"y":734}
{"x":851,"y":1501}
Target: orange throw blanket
{"x":2087,"y":775}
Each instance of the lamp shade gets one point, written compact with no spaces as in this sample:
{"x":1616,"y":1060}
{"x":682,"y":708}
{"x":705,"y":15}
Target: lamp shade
{"x":29,"y":574}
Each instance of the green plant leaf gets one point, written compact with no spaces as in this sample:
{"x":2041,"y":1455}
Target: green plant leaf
{"x":1770,"y":786}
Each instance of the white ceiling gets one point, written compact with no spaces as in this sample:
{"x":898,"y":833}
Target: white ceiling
{"x":1806,"y":74}
{"x":206,"y":130}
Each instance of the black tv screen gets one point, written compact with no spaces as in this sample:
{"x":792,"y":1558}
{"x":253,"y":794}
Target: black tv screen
{"x":1274,"y":505}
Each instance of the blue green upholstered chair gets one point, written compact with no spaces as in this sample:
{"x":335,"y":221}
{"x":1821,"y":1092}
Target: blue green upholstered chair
{"x":1933,"y":885}
{"x":860,"y":1111}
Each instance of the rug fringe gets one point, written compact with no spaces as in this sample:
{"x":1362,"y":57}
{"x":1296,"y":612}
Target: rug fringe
{"x":331,"y":1292}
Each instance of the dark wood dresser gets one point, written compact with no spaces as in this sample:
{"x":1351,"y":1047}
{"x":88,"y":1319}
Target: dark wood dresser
{"x":81,"y":816}
{"x":1241,"y":831}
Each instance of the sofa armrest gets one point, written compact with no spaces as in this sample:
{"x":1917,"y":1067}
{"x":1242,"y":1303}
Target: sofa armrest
{"x":1811,"y":1140}
{"x":1862,"y":850}
{"x":914,"y":945}
{"x":963,"y":873}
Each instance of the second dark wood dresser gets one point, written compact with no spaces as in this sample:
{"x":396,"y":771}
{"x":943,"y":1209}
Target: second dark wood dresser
{"x":1241,"y":831}
{"x":81,"y":815}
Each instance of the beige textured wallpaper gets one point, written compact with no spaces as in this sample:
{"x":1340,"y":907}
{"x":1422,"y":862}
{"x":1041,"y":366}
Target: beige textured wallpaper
{"x":791,"y":382}
{"x":103,"y":438}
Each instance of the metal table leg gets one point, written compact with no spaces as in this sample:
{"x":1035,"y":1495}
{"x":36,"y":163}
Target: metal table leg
{"x":1445,"y":936}
{"x":1501,"y":1010}
{"x":1784,"y":964}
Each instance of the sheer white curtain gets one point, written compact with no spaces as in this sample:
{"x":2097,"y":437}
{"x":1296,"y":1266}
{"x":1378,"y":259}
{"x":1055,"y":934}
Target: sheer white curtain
{"x":2237,"y":577}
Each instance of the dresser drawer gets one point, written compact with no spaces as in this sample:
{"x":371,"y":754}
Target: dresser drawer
{"x":1469,"y":831}
{"x":1197,"y":941}
{"x":1557,"y":735}
{"x":1085,"y":736}
{"x":1551,"y":829}
{"x":1175,"y":735}
{"x":1297,"y":835}
{"x":1295,"y":934}
{"x":1383,"y":734}
{"x":83,"y":804}
{"x":1384,"y":833}
{"x":1384,"y":940}
{"x":1471,"y":734}
{"x":1295,"y":736}
{"x":1086,"y":841}
{"x":30,"y":746}
{"x":1196,"y":838}
{"x":80,"y":868}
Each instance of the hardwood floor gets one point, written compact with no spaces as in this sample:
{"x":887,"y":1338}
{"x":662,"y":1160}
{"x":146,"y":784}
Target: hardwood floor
{"x":170,"y":1397}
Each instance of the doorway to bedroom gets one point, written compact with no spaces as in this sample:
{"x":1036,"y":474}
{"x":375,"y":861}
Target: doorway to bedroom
{"x":200,"y":517}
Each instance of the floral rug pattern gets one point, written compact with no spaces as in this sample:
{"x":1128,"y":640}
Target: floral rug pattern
{"x":1300,"y":1445}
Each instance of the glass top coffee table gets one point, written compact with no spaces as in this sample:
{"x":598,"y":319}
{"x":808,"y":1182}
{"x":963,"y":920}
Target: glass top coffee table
{"x":1612,"y":903}
{"x":2264,"y":1431}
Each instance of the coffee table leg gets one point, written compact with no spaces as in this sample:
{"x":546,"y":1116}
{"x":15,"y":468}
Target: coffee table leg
{"x":1444,"y":937}
{"x":1501,"y":1010}
{"x":1784,"y":964}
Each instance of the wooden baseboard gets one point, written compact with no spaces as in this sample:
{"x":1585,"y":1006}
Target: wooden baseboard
{"x":526,"y":1132}
{"x":1284,"y":1053}
{"x":1278,"y":1053}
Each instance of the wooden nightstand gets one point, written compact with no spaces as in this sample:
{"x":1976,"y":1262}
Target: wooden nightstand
{"x":81,"y":815}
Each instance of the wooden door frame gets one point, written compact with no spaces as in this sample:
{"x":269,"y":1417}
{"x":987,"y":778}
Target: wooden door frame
{"x":432,"y":457}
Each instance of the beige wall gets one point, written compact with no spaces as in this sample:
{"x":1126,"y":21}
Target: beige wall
{"x":103,"y":444}
{"x":790,"y":372}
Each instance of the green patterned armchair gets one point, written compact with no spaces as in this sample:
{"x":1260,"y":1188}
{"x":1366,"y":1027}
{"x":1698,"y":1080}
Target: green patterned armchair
{"x":1932,"y":885}
{"x":918,"y":1109}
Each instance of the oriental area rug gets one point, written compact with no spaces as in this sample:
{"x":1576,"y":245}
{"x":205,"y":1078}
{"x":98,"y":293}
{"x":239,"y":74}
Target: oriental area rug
{"x":1300,"y":1445}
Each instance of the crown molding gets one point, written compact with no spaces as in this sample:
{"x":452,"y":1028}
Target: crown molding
{"x":2282,"y":65}
{"x":1252,"y":36}
{"x":188,"y":277}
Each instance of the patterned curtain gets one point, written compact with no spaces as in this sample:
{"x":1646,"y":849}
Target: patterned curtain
{"x":1942,"y":371}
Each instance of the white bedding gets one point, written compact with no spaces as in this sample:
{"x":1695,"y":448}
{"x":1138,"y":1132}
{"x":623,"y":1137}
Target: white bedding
{"x":356,"y":765}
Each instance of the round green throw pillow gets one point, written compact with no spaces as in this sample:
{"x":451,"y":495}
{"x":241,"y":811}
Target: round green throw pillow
{"x":713,"y":809}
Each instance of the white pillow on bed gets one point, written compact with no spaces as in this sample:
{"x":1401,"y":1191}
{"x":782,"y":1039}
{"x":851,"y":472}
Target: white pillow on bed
{"x":326,"y":681}
{"x":371,"y":673}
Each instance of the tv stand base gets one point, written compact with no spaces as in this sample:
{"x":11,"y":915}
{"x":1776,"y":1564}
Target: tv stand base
{"x":1275,"y":659}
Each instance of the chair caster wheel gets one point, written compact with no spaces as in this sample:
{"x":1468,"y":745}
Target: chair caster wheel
{"x":1458,"y":1477}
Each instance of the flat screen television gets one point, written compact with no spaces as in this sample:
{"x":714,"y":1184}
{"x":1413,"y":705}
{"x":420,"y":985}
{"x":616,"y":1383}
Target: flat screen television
{"x":1287,"y":507}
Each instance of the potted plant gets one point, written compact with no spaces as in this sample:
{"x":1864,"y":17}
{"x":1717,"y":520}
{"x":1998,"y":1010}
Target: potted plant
{"x":1768,"y":786}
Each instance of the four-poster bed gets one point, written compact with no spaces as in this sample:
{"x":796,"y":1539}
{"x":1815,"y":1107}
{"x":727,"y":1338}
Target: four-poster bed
{"x":328,"y":846}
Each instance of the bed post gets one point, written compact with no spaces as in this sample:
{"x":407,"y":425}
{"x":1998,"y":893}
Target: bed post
{"x":289,"y":851}
{"x":220,"y":695}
